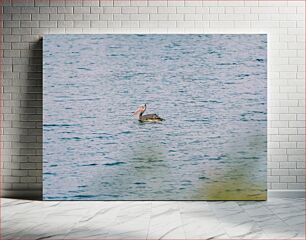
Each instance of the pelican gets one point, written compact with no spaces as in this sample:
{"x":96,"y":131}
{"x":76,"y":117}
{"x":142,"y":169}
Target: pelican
{"x":148,"y":117}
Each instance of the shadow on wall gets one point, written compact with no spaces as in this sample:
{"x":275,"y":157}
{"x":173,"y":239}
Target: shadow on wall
{"x":31,"y":122}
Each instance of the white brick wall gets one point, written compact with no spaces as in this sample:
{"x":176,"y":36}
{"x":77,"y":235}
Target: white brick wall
{"x":25,"y":22}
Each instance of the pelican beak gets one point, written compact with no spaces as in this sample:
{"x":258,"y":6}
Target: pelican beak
{"x":133,"y":113}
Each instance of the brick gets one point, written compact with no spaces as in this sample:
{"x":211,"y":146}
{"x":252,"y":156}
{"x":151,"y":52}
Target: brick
{"x":21,"y":31}
{"x":62,"y":10}
{"x":176,"y":17}
{"x":98,"y":24}
{"x":91,"y":16}
{"x":23,"y":3}
{"x":140,"y":17}
{"x":112,"y":10}
{"x":201,"y":24}
{"x":158,"y":17}
{"x":287,"y":145}
{"x":20,"y":46}
{"x":288,"y":103}
{"x":288,"y":131}
{"x":297,"y":124}
{"x":294,"y":158}
{"x":48,"y":10}
{"x":202,"y":10}
{"x":230,"y":3}
{"x":81,"y":10}
{"x":65,"y":24}
{"x":36,"y":173}
{"x":297,"y":172}
{"x":221,"y":24}
{"x":280,"y":172}
{"x":19,"y":173}
{"x":91,"y":3}
{"x":265,"y":24}
{"x":166,"y":10}
{"x":25,"y":16}
{"x":279,"y":124}
{"x":296,"y":138}
{"x":39,"y":31}
{"x":10,"y":9}
{"x":176,"y":3}
{"x":148,"y":24}
{"x":137,"y":3}
{"x":130,"y":24}
{"x":11,"y":24}
{"x":261,"y":10}
{"x":242,"y":10}
{"x":75,"y":16}
{"x":57,"y":17}
{"x":47,"y":24}
{"x":277,"y":186}
{"x":291,"y":10}
{"x":40,"y":3}
{"x":296,"y":186}
{"x":167,"y":24}
{"x":300,"y":179}
{"x":147,"y":9}
{"x":96,"y":10}
{"x":40,"y":16}
{"x":27,"y":179}
{"x":192,"y":3}
{"x":210,"y":17}
{"x":273,"y":164}
{"x":29,"y":10}
{"x":127,"y":10}
{"x":287,"y":179}
{"x":104,"y":17}
{"x":273,"y":179}
{"x":193,"y":17}
{"x":106,"y":2}
{"x":157,"y":3}
{"x":230,"y":17}
{"x":57,"y":3}
{"x":287,"y":165}
{"x":121,"y":17}
{"x":296,"y":151}
{"x":300,"y":145}
{"x":81,"y":24}
{"x":113,"y":24}
{"x":74,"y":3}
{"x":300,"y":165}
{"x":29,"y":24}
{"x":186,"y":10}
{"x":11,"y":179}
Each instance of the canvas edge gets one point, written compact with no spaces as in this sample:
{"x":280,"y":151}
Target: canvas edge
{"x":37,"y":194}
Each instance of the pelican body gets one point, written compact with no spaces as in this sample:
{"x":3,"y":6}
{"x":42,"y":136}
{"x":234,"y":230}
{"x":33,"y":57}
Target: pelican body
{"x":148,"y":117}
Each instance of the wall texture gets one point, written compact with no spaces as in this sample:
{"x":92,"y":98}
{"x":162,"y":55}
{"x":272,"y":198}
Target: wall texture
{"x":26,"y":21}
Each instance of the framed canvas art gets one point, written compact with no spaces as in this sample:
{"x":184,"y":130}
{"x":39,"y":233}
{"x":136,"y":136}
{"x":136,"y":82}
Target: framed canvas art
{"x":154,"y":117}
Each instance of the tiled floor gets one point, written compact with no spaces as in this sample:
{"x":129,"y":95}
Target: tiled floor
{"x":273,"y":219}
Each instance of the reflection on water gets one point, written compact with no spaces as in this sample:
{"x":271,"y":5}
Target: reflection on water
{"x":238,"y":181}
{"x":211,"y":89}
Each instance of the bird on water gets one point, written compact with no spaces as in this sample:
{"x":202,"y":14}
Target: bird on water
{"x":148,"y":117}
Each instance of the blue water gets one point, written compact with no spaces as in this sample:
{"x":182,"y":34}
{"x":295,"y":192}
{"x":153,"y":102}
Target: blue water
{"x":210,"y":89}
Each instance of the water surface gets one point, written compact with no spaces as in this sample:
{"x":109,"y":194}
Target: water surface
{"x":211,"y":89}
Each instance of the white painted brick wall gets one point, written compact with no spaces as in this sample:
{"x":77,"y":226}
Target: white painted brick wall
{"x":25,"y":22}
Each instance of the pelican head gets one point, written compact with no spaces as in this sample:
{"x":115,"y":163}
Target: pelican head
{"x":140,"y":110}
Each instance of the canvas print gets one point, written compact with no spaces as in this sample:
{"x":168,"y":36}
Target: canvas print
{"x":154,"y":117}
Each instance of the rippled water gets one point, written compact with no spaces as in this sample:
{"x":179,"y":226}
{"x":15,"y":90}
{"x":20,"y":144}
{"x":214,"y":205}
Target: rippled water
{"x":211,"y":89}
